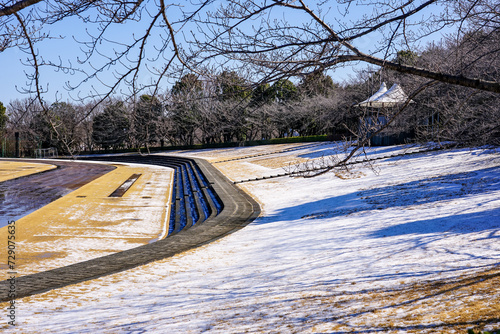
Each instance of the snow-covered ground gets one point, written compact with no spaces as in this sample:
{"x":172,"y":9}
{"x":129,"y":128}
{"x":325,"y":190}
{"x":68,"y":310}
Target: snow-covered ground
{"x":407,"y":245}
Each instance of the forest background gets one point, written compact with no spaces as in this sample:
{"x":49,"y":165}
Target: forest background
{"x":153,"y":74}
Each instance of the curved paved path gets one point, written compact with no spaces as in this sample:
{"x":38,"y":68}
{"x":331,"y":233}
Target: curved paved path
{"x":21,"y":196}
{"x":10,"y":170}
{"x":239,"y":210}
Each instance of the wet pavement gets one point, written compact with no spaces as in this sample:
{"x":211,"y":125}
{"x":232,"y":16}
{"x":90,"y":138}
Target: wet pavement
{"x":35,"y":266}
{"x":88,"y":223}
{"x":19,"y":197}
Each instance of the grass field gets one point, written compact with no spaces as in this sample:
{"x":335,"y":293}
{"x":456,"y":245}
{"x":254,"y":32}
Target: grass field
{"x":406,"y":245}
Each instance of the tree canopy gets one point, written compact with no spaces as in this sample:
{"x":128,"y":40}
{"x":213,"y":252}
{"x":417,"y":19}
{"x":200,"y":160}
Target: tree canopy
{"x":247,"y":50}
{"x":256,"y":37}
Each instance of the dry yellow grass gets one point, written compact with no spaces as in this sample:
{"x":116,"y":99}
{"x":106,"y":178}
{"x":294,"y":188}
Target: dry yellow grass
{"x":279,"y":161}
{"x":468,"y":301}
{"x":223,"y":154}
{"x":13,"y":169}
{"x":87,"y":223}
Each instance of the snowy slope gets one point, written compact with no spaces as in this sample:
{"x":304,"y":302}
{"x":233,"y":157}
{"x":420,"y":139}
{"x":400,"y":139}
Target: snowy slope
{"x":412,"y":248}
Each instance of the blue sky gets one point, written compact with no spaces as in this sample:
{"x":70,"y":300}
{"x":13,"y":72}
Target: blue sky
{"x":64,"y":48}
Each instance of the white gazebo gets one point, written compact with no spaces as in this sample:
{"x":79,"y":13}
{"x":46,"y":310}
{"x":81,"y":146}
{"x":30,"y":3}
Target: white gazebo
{"x":385,"y":98}
{"x":379,"y":108}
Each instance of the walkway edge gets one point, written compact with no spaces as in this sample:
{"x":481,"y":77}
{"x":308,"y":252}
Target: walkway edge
{"x":239,"y":210}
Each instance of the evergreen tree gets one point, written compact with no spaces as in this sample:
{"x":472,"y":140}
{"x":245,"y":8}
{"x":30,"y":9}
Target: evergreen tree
{"x":188,"y":84}
{"x":262,"y":94}
{"x":3,"y":118}
{"x":146,"y":118}
{"x":317,"y":83}
{"x":111,"y":128}
{"x":232,"y":87}
{"x":284,"y":90}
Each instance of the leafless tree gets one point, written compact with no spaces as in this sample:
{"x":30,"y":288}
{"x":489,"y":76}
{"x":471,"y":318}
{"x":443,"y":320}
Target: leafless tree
{"x":463,"y":114}
{"x":256,"y":38}
{"x":21,"y":114}
{"x":25,"y":24}
{"x":253,"y":35}
{"x":27,"y":118}
{"x":260,"y":35}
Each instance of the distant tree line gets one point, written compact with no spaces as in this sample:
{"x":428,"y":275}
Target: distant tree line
{"x":195,"y":111}
{"x":228,"y":108}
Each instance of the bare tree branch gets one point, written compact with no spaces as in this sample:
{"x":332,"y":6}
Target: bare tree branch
{"x":18,"y":6}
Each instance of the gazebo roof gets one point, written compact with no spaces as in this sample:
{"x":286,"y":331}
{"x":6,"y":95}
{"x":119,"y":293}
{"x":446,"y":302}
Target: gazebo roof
{"x":385,"y":98}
